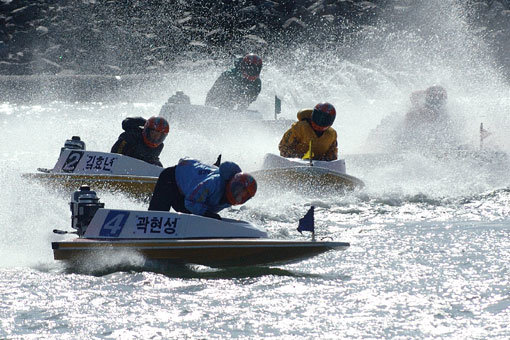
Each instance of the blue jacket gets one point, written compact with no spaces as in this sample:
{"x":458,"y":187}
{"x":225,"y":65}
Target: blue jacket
{"x":203,"y":186}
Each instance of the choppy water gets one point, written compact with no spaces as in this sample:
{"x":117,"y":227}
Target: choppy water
{"x":430,"y":236}
{"x":428,"y":259}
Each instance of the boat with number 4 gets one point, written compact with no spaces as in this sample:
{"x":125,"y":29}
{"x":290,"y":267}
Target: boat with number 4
{"x":306,"y":175}
{"x":107,"y":171}
{"x":176,"y":238}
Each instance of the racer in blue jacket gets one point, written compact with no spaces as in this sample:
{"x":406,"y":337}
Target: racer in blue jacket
{"x":201,"y":189}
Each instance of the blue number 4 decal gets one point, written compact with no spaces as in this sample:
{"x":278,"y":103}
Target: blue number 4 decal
{"x":113,"y":223}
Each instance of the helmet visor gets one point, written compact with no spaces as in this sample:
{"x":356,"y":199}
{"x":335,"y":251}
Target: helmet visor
{"x":239,"y":192}
{"x":322,"y":119}
{"x":155,"y":137}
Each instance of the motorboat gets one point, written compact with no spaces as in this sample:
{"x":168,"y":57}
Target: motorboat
{"x":106,"y":171}
{"x":179,"y":111}
{"x":388,"y":144}
{"x":176,"y":238}
{"x":306,"y":175}
{"x":487,"y":160}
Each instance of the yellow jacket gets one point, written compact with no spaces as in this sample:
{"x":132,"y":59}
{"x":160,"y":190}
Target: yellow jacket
{"x":295,"y":142}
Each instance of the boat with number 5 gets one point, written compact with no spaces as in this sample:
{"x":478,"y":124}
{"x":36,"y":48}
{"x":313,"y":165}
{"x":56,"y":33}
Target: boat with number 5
{"x":176,"y":238}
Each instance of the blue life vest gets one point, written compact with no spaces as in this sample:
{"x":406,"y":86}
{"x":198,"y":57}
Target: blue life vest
{"x":203,"y":186}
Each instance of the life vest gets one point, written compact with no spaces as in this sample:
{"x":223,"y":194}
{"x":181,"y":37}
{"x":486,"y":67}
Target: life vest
{"x":203,"y":186}
{"x":296,"y":141}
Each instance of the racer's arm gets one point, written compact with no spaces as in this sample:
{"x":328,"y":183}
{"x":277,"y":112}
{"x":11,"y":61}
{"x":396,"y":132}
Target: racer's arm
{"x":157,"y":162}
{"x":131,"y":123}
{"x":250,"y":96}
{"x":154,"y":159}
{"x":288,"y":144}
{"x":212,"y":215}
{"x":332,"y":153}
{"x":215,"y":96}
{"x":123,"y":145}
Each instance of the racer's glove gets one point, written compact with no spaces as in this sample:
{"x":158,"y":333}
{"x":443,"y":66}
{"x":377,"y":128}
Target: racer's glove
{"x":212,"y":215}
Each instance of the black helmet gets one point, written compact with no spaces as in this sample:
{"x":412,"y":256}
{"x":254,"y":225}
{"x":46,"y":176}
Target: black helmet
{"x":323,"y":116}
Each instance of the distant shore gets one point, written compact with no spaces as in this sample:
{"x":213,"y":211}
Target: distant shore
{"x":72,"y":88}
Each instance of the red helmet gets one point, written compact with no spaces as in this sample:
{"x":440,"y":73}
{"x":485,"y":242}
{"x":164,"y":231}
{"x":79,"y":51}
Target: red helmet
{"x":240,"y":188}
{"x":250,"y":66}
{"x":155,"y":131}
{"x":323,"y":116}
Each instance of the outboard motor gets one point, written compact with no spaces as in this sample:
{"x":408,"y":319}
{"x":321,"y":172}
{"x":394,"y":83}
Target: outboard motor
{"x":179,"y":98}
{"x":84,"y":204}
{"x":74,"y":143}
{"x":168,"y":109}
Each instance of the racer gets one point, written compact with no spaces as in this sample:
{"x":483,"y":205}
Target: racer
{"x":428,"y":123}
{"x":431,"y":110}
{"x":142,"y":139}
{"x":313,"y":126}
{"x":237,"y":88}
{"x":197,"y":188}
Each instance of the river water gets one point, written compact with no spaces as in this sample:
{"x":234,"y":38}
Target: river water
{"x":430,"y":236}
{"x":428,"y":258}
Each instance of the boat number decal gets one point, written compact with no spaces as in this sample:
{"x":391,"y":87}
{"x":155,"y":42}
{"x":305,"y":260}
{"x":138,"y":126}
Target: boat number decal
{"x":100,"y":163}
{"x":157,"y":225}
{"x":72,"y":161}
{"x":113,"y":223}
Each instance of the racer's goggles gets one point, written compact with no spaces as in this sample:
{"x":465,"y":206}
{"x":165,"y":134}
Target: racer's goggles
{"x":241,"y":188}
{"x":154,"y":136}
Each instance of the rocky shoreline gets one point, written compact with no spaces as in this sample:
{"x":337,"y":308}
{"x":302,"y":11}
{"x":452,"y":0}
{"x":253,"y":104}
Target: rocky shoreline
{"x":66,"y":38}
{"x":124,"y":37}
{"x":76,"y":88}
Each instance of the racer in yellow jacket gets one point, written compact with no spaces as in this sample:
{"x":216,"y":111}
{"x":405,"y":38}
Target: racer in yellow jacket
{"x":313,"y":126}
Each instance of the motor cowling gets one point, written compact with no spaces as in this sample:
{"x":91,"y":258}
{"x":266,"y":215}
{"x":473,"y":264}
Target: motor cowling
{"x":84,"y":204}
{"x":74,"y":143}
{"x":179,"y":98}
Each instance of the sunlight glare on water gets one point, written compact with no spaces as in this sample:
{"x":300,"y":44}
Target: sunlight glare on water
{"x":430,"y":236}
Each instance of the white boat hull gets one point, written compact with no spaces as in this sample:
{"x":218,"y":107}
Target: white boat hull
{"x":102,"y":171}
{"x":184,"y":238}
{"x":299,"y":175}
